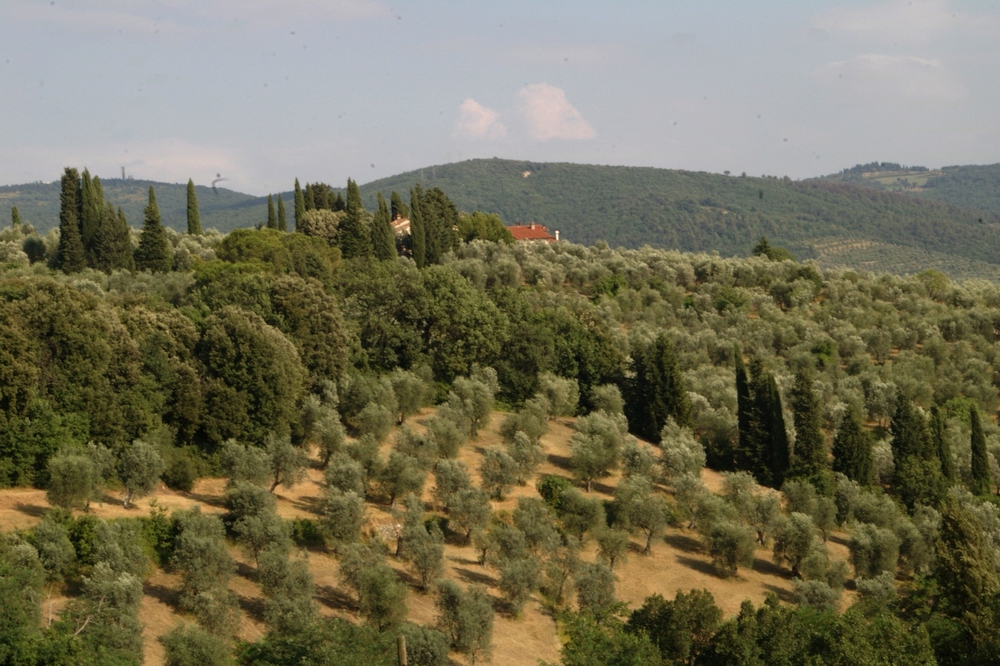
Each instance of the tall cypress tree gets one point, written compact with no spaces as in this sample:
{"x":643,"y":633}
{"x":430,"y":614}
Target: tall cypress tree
{"x":852,"y":449}
{"x":982,"y":480}
{"x":282,"y":220}
{"x":113,"y":243}
{"x":272,"y":217}
{"x":337,"y":203}
{"x":154,"y":253}
{"x":810,"y":448}
{"x":91,"y":213}
{"x":193,"y":216}
{"x":70,"y":256}
{"x":383,"y":238}
{"x":397,"y":207}
{"x":940,"y":444}
{"x":916,"y":476}
{"x":353,"y":235}
{"x":15,"y":218}
{"x":747,"y":455}
{"x":308,"y":200}
{"x":418,"y":240}
{"x":779,"y":453}
{"x":656,"y":390}
{"x":300,"y":204}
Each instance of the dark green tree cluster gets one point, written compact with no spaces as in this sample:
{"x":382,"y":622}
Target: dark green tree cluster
{"x":91,"y":232}
{"x":657,"y":391}
{"x":433,"y":225}
{"x":763,"y":448}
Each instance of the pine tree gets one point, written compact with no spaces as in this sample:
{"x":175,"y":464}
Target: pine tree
{"x":300,"y":204}
{"x":337,"y":203}
{"x":418,"y":240}
{"x":657,"y":390}
{"x":70,"y":257}
{"x":154,"y":253}
{"x":810,"y":448}
{"x":397,"y":207}
{"x":282,"y":220}
{"x":308,"y":200}
{"x":15,"y":218}
{"x":981,"y":477}
{"x":193,"y":216}
{"x":383,"y":238}
{"x":353,"y":236}
{"x":940,"y":444}
{"x":272,"y":218}
{"x":852,"y":450}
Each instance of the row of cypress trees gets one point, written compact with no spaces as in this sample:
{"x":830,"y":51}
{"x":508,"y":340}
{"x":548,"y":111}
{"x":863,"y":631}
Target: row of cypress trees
{"x":92,"y":233}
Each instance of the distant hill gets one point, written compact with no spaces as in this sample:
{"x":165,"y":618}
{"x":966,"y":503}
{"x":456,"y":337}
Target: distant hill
{"x":838,"y":223}
{"x":973,"y":186}
{"x":866,"y":217}
{"x":223,"y":209}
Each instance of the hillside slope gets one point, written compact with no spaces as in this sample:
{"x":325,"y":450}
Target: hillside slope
{"x":631,"y":207}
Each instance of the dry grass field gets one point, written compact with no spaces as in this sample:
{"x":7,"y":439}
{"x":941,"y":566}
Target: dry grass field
{"x":678,"y":561}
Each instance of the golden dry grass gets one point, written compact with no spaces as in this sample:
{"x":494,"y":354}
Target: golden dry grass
{"x":678,"y":561}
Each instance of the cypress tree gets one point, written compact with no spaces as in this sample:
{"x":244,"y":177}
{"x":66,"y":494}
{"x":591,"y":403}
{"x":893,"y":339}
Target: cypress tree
{"x":300,"y":204}
{"x":916,"y":477}
{"x":418,"y":241}
{"x":91,"y":213}
{"x":383,"y":238}
{"x":126,"y":252}
{"x":940,"y":444}
{"x":193,"y":216}
{"x":747,"y":456}
{"x":810,"y":448}
{"x":981,"y":478}
{"x":852,"y":450}
{"x":353,"y":236}
{"x":308,"y":201}
{"x":909,"y":435}
{"x":656,"y":391}
{"x":154,"y":252}
{"x":282,"y":220}
{"x":397,"y":207}
{"x":779,"y":453}
{"x":272,"y":218}
{"x":338,"y":204}
{"x":113,"y":243}
{"x":15,"y":218}
{"x":70,"y":256}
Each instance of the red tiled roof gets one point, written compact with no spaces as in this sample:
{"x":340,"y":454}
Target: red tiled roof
{"x":530,"y":232}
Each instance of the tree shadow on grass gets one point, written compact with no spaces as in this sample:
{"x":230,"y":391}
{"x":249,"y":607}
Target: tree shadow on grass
{"x":470,"y":576}
{"x":770,"y":568}
{"x":210,"y":500}
{"x":783,"y":594}
{"x":162,"y":593}
{"x":253,"y":607}
{"x":335,"y":598}
{"x":33,"y":510}
{"x":684,"y":543}
{"x":700,"y":566}
{"x":559,"y":461}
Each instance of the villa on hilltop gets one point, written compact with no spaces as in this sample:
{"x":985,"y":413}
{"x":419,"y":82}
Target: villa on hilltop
{"x":532,"y":233}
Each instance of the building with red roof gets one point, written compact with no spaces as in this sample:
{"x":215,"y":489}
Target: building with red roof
{"x":531,"y":233}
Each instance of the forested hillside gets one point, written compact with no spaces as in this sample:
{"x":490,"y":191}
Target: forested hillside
{"x":972,"y":186}
{"x":839,"y":222}
{"x":355,"y":384}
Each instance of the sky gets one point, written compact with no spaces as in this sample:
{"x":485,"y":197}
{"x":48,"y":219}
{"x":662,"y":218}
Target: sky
{"x":260,"y":92}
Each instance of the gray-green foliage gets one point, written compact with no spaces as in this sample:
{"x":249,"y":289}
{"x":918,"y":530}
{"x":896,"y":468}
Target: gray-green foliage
{"x":139,"y":469}
{"x":72,"y":480}
{"x":375,"y":420}
{"x":412,"y":389}
{"x":190,"y":645}
{"x":874,"y":550}
{"x":418,"y":446}
{"x":637,"y":460}
{"x":536,"y":520}
{"x":450,"y":478}
{"x":526,"y":454}
{"x":472,"y":397}
{"x":794,"y":539}
{"x":561,"y":394}
{"x":201,"y":557}
{"x":466,"y":617}
{"x":421,"y":545}
{"x":345,"y":474}
{"x":595,"y":449}
{"x":343,"y":516}
{"x":519,"y":578}
{"x":287,"y":585}
{"x":53,"y":547}
{"x":499,"y":472}
{"x":469,"y":509}
{"x":680,"y":452}
{"x":595,"y":589}
{"x":612,"y":545}
{"x":425,"y":646}
{"x":816,"y":594}
{"x":579,"y":514}
{"x":120,"y":544}
{"x":107,"y":610}
{"x":731,"y":546}
{"x":250,"y":464}
{"x":381,"y":595}
{"x":449,"y":431}
{"x":607,"y":398}
{"x":288,"y":463}
{"x":401,"y":475}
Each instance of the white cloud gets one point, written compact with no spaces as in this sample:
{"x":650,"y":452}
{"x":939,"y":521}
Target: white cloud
{"x":476,"y":121}
{"x":550,"y":115}
{"x":899,"y":21}
{"x":885,"y":75}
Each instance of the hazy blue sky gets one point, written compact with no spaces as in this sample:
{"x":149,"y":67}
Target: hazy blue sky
{"x":263,"y":91}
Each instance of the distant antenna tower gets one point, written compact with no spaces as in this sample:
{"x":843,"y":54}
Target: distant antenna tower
{"x":123,"y":173}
